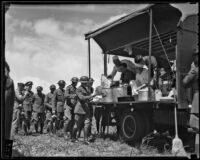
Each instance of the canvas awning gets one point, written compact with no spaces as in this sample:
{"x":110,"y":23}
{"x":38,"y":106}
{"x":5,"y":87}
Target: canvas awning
{"x":133,"y":31}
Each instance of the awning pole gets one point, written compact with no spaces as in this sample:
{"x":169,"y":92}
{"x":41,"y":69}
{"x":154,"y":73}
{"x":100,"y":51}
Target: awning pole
{"x":89,"y":66}
{"x":150,"y":36}
{"x":105,"y":64}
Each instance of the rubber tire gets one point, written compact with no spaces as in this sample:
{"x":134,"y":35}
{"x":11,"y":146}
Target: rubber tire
{"x":138,"y":126}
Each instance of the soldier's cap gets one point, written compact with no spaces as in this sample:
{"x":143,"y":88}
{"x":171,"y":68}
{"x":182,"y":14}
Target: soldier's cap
{"x":74,"y":79}
{"x":61,"y":82}
{"x":29,"y":83}
{"x":39,"y":88}
{"x":20,"y":84}
{"x":52,"y":86}
{"x":84,"y":79}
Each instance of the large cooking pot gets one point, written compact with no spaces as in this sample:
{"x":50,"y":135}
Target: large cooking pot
{"x":112,"y":94}
{"x":143,"y":94}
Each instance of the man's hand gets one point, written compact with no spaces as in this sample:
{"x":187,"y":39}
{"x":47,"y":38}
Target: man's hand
{"x":91,"y":97}
{"x":54,"y":112}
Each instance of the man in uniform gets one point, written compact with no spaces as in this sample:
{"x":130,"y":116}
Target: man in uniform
{"x":58,"y":101}
{"x":118,"y":68}
{"x":38,"y":109}
{"x":91,"y":90}
{"x":82,"y":110}
{"x":19,"y":98}
{"x":48,"y":107}
{"x":27,"y":107}
{"x":70,"y":95}
{"x":192,"y":80}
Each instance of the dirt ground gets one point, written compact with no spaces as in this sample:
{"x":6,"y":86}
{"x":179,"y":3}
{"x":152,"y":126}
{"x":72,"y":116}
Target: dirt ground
{"x":45,"y":145}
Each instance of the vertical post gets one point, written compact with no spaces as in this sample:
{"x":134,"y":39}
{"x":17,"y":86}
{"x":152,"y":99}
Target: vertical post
{"x":105,"y":64}
{"x":178,"y":80}
{"x":150,"y":39}
{"x":89,"y":66}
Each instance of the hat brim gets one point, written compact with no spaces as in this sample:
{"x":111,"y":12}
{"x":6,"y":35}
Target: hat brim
{"x":84,"y":81}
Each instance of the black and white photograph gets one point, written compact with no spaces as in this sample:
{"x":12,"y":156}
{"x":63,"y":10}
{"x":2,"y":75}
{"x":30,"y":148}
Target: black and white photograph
{"x":90,"y":79}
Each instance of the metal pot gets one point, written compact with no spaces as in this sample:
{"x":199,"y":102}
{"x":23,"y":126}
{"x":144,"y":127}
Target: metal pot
{"x":112,"y":94}
{"x":143,"y":95}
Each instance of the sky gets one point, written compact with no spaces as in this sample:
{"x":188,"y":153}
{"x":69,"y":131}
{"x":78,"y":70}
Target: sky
{"x":46,"y":43}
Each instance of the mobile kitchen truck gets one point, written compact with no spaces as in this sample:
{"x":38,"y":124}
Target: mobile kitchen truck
{"x":156,"y":30}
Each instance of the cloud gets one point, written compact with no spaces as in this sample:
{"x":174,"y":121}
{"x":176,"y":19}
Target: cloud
{"x":26,"y":24}
{"x":52,"y":54}
{"x":48,"y":27}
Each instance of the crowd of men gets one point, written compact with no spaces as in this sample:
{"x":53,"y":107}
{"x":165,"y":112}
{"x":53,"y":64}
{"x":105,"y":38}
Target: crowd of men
{"x":60,"y":109}
{"x":68,"y":109}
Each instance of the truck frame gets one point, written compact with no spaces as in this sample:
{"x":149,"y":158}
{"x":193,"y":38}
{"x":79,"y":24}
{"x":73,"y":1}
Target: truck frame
{"x":159,"y":31}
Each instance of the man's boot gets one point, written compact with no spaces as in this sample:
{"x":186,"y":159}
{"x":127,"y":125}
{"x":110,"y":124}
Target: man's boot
{"x":24,"y":126}
{"x":86,"y":132}
{"x":41,"y":128}
{"x":36,"y":127}
{"x":74,"y":133}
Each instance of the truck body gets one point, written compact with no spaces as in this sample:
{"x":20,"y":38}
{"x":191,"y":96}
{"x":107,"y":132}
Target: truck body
{"x":159,"y":31}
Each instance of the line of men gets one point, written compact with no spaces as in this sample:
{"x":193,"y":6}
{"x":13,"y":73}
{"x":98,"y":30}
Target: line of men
{"x":66,"y":109}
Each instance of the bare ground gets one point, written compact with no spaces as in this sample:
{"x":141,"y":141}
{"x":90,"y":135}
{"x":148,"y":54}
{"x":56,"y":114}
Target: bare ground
{"x":46,"y":145}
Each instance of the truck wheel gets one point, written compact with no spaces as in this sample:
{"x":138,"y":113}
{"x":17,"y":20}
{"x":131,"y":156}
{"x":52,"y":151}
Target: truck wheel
{"x":131,"y":126}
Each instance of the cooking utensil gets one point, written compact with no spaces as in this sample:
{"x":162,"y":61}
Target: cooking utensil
{"x":177,"y":144}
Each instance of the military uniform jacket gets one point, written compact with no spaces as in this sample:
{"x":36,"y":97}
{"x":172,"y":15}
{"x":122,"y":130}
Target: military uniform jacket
{"x":70,"y":95}
{"x":48,"y":101}
{"x":91,"y":90}
{"x":83,"y":95}
{"x":58,"y":100}
{"x":28,"y":102}
{"x":38,"y":103}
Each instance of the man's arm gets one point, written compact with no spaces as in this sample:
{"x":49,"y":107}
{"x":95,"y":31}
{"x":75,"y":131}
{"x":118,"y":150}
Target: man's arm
{"x":46,"y":102}
{"x":113,"y":73}
{"x":81,"y":96}
{"x":190,"y":77}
